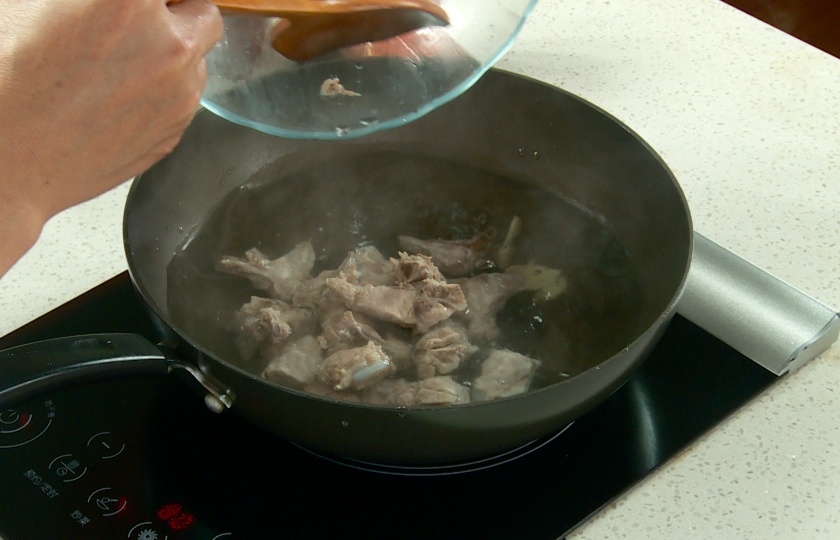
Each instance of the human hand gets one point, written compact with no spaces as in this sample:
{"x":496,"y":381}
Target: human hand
{"x":92,"y":92}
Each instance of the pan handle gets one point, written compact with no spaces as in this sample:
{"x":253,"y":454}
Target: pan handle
{"x":57,"y":363}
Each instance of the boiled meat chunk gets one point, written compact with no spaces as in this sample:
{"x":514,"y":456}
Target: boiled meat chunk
{"x":414,"y":269}
{"x":394,"y":392}
{"x":453,"y":257}
{"x":504,"y":373}
{"x":385,"y":303}
{"x":344,"y":329}
{"x":318,"y":388}
{"x":355,"y":368}
{"x":486,"y":294}
{"x":280,"y":277}
{"x":297,"y":363}
{"x":437,"y":301}
{"x":398,"y":351}
{"x":420,"y":308}
{"x":346,"y":332}
{"x":367,"y":265}
{"x":314,"y":293}
{"x":441,"y":391}
{"x":266,"y":323}
{"x":441,"y":351}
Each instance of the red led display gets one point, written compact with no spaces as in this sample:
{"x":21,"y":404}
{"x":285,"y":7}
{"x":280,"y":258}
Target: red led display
{"x":175,"y":516}
{"x":181,"y":522}
{"x":169,"y":511}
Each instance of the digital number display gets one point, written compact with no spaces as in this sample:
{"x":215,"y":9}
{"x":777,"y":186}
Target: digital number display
{"x":176,"y":517}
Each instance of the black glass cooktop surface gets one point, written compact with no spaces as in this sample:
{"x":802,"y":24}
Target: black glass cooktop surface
{"x":144,"y":459}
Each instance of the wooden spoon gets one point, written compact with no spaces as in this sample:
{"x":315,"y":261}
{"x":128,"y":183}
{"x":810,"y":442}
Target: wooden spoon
{"x":311,"y":28}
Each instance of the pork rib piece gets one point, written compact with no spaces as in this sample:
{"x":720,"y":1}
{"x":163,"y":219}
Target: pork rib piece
{"x":504,"y":373}
{"x":343,"y":329}
{"x":419,"y":308}
{"x":441,"y":391}
{"x":280,"y":277}
{"x":266,"y":323}
{"x":367,"y":265}
{"x":486,"y":294}
{"x":355,"y":368}
{"x":320,"y":389}
{"x":414,"y":269}
{"x":453,"y":257}
{"x":297,"y":363}
{"x":313,"y":292}
{"x":395,"y":392}
{"x":436,"y":301}
{"x":441,"y":351}
{"x":385,"y":303}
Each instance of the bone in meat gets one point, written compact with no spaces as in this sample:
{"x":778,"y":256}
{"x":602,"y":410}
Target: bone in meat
{"x":441,"y":391}
{"x":343,"y":329}
{"x":504,"y":373}
{"x":394,"y":392}
{"x":367,"y":265}
{"x":266,"y":323}
{"x":312,"y":293}
{"x":297,"y":363}
{"x":419,"y":308}
{"x":355,"y":368}
{"x":384,"y":303}
{"x":318,"y":388}
{"x":453,"y":257}
{"x":414,"y":269}
{"x":436,"y":301}
{"x":441,"y":351}
{"x":280,"y":277}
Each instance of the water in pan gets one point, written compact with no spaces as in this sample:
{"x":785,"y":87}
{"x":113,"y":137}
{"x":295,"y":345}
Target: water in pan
{"x":341,"y":197}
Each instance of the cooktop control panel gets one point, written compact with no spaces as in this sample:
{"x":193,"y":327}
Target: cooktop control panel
{"x":74,"y":465}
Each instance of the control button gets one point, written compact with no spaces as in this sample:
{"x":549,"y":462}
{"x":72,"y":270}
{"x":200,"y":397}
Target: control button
{"x":68,"y":468}
{"x":9,"y":416}
{"x":103,"y":499}
{"x":13,"y":421}
{"x":145,"y":531}
{"x":19,"y":427}
{"x":104,"y":444}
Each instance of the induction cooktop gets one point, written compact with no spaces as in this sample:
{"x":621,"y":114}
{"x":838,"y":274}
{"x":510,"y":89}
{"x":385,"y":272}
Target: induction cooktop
{"x":144,"y":459}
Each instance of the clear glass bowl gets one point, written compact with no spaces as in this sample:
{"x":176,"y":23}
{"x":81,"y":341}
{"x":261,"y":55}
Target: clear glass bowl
{"x":387,"y":83}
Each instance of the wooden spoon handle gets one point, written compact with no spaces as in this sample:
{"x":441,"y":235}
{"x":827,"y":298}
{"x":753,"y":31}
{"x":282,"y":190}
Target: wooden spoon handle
{"x":316,"y":27}
{"x":296,"y":9}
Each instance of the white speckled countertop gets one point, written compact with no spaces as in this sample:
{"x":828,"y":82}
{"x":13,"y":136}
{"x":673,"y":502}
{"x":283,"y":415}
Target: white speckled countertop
{"x":748,"y":118}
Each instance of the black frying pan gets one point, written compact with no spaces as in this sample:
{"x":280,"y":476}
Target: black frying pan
{"x":502,"y":148}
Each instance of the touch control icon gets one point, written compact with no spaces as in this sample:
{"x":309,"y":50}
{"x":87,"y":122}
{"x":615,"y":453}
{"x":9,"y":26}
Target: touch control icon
{"x":9,"y":416}
{"x":104,"y":444}
{"x":67,"y":468}
{"x":145,"y":531}
{"x":102,"y":498}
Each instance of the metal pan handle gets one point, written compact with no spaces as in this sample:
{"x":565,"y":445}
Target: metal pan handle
{"x":57,"y":363}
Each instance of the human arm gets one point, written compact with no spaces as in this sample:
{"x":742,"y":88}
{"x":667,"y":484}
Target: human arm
{"x":92,"y":92}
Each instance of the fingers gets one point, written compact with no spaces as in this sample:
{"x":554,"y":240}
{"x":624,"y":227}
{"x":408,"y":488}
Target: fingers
{"x":199,"y":19}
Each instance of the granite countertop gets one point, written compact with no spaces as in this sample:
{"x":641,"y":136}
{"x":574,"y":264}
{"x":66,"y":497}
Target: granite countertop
{"x":748,"y":118}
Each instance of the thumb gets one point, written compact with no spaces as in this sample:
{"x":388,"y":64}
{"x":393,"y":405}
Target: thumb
{"x":199,"y":19}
